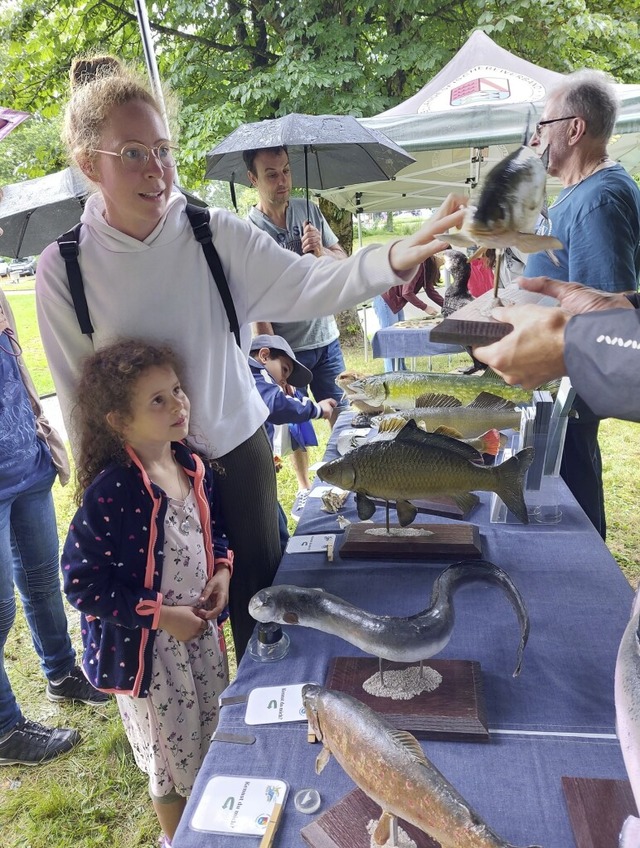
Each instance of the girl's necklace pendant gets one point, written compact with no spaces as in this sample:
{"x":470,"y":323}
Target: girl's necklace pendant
{"x":184,"y":525}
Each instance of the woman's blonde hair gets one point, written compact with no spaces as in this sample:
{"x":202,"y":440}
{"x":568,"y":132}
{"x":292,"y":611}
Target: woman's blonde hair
{"x":98,"y":85}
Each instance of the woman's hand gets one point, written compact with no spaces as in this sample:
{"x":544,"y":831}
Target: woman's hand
{"x":410,"y":251}
{"x":183,"y":623}
{"x":215,"y":595}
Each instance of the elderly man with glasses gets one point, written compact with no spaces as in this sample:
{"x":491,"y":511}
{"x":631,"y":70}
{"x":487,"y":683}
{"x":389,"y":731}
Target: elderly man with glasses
{"x":596,"y":216}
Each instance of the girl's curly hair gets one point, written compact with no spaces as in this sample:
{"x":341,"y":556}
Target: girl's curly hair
{"x":107,"y":384}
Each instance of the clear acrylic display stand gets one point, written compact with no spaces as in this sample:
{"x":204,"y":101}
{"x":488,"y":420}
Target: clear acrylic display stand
{"x":544,"y":427}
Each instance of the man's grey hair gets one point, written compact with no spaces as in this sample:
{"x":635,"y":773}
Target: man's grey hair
{"x":590,"y":95}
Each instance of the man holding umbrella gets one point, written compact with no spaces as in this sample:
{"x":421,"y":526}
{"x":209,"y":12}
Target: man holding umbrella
{"x":298,"y":226}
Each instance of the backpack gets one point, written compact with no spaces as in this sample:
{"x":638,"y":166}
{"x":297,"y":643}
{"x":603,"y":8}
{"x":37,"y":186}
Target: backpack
{"x":68,"y":245}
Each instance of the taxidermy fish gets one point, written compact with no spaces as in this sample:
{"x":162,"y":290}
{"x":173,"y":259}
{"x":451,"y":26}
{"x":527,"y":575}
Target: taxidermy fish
{"x":486,"y":443}
{"x":400,"y":639}
{"x":434,"y":411}
{"x":507,"y":210}
{"x":627,"y":700}
{"x":391,"y":768}
{"x":344,"y":381}
{"x":419,"y":465}
{"x":401,"y":389}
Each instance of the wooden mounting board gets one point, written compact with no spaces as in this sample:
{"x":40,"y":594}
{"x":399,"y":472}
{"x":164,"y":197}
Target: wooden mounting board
{"x":448,"y":540}
{"x":473,"y":324}
{"x":455,"y":710}
{"x":597,"y":809}
{"x":346,"y":824}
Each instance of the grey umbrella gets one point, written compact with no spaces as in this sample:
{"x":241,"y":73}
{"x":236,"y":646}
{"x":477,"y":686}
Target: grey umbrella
{"x":325,"y":151}
{"x":33,"y":213}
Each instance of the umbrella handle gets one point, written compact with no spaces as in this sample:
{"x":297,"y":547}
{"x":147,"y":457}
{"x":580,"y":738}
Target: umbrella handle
{"x":318,"y":251}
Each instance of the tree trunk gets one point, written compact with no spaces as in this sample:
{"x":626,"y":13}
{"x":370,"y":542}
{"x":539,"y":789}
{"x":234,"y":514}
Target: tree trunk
{"x":341,"y":222}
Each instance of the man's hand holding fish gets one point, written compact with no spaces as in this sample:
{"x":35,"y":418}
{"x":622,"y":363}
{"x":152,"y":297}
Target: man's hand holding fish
{"x":534,"y":352}
{"x":409,"y":252}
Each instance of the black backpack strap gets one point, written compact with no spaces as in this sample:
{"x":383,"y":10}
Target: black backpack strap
{"x":199,"y":220}
{"x":68,"y":247}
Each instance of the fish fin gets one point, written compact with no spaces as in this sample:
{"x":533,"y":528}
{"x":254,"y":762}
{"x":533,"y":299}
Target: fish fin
{"x":486,"y":400}
{"x":406,"y":512}
{"x":290,"y":618}
{"x":322,"y":759}
{"x":411,"y":433}
{"x":531,"y":243}
{"x":466,"y":502}
{"x":458,"y":239}
{"x":365,"y":506}
{"x":391,"y":424}
{"x":430,"y":399}
{"x":489,"y":442}
{"x":448,"y":431}
{"x":410,"y":744}
{"x":382,"y":832}
{"x":510,"y":482}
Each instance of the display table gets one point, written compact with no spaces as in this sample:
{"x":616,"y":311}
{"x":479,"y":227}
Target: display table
{"x":399,"y":342}
{"x":556,"y":719}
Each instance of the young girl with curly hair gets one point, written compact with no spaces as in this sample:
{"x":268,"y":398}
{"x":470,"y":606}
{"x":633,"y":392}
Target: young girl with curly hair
{"x":147,"y":564}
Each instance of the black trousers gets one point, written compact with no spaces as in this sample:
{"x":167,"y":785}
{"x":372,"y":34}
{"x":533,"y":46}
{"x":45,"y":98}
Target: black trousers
{"x":249,"y":503}
{"x":581,"y":467}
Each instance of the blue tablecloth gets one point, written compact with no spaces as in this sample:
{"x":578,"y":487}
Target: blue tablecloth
{"x":556,"y":719}
{"x":396,"y":342}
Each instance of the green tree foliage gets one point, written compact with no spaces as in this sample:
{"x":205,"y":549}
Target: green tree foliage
{"x":236,"y":61}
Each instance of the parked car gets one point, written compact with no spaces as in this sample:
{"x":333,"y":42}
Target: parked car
{"x":22,"y":267}
{"x":4,"y":268}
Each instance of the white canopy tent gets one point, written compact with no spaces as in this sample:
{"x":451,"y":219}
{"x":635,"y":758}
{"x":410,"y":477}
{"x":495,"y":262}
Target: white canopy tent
{"x":467,"y":118}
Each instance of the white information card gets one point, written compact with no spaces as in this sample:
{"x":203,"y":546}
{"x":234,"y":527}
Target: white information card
{"x":238,"y":805}
{"x":275,"y":705}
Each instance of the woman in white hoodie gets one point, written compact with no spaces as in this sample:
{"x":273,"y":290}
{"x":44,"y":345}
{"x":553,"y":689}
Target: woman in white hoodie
{"x":146,"y":276}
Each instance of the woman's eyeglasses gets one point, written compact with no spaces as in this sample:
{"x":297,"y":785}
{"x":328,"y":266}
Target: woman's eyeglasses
{"x":134,"y":156}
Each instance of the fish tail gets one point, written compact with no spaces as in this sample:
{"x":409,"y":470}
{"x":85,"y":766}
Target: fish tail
{"x":510,"y":482}
{"x":473,"y":570}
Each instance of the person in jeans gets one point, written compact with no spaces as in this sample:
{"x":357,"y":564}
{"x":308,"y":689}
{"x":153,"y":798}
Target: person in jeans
{"x":300,"y":227}
{"x":31,"y":455}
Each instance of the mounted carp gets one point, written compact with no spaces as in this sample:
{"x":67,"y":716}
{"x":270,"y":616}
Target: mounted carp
{"x":418,"y":465}
{"x":399,"y":639}
{"x":401,"y":389}
{"x":391,"y":768}
{"x":627,"y":700}
{"x":507,"y":211}
{"x":471,"y":421}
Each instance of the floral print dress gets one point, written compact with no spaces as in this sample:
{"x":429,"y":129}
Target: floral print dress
{"x":170,"y":730}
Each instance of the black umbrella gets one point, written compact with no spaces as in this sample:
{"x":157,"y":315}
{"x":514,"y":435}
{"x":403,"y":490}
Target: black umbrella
{"x":325,"y":151}
{"x":33,"y":213}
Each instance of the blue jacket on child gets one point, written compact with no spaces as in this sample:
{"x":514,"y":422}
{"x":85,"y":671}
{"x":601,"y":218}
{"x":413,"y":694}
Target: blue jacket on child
{"x":112,"y":566}
{"x":283,"y":408}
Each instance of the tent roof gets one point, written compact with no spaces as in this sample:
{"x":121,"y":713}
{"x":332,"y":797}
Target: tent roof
{"x":477,"y":108}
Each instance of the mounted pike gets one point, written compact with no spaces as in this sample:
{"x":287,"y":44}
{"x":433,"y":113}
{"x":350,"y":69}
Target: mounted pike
{"x":400,"y":639}
{"x":627,"y":699}
{"x":403,"y":389}
{"x":417,"y":465}
{"x":391,"y":768}
{"x":511,"y":200}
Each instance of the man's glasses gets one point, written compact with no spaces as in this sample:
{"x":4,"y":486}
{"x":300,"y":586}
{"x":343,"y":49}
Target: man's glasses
{"x":134,"y":156}
{"x":541,"y":124}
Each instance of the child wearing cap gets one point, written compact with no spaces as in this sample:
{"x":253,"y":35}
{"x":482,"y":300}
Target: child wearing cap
{"x":276,"y":370}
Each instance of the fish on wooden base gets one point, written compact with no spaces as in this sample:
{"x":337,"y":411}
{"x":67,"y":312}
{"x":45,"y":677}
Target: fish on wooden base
{"x":396,"y":638}
{"x":391,"y":768}
{"x":418,"y":466}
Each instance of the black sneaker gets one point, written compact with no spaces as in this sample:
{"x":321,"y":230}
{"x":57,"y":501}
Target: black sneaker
{"x":30,"y":744}
{"x":76,"y":687}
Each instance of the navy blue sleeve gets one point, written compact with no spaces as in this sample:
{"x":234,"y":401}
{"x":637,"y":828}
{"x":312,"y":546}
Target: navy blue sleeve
{"x":284,"y":409}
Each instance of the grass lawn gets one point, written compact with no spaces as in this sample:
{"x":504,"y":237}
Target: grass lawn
{"x":96,"y":796}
